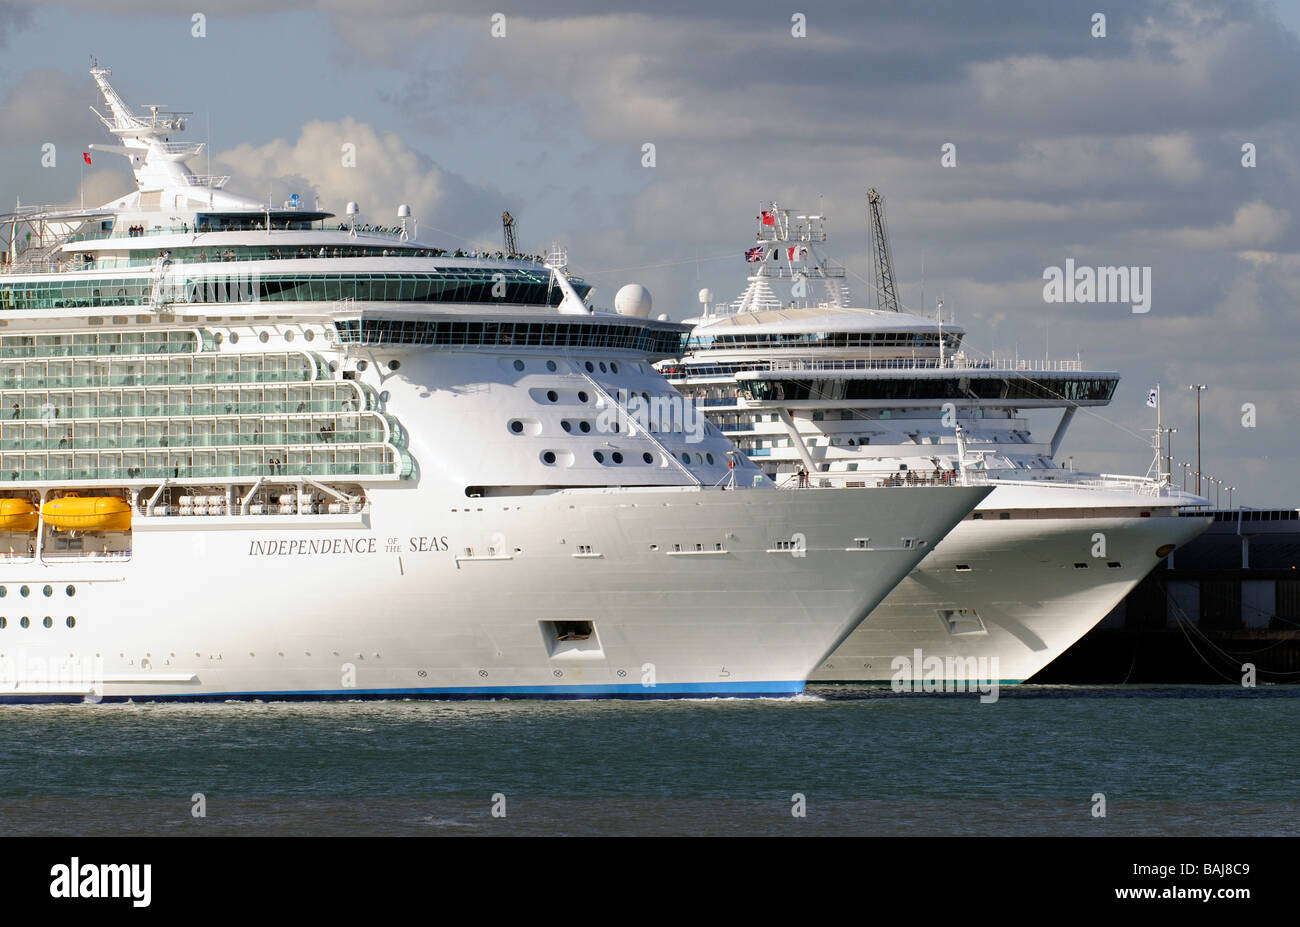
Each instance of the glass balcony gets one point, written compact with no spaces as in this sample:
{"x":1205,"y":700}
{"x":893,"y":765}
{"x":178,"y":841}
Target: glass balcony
{"x":403,"y":468}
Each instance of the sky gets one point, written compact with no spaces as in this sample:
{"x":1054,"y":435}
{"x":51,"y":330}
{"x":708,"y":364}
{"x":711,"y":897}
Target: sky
{"x":1123,"y":149}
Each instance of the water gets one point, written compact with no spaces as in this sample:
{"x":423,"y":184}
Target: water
{"x":1184,"y":760}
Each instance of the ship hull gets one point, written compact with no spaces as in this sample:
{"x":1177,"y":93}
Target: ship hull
{"x":1035,"y":585}
{"x":688,"y":592}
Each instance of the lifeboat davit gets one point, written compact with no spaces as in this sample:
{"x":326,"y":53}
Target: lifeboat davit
{"x":18,"y":516}
{"x":88,"y":513}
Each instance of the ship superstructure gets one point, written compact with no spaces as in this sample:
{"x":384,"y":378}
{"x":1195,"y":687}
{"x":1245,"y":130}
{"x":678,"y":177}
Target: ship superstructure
{"x":820,"y":392}
{"x":249,"y":450}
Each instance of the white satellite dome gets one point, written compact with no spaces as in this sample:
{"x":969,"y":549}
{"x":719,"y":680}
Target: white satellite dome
{"x":352,"y":208}
{"x":706,"y":296}
{"x":633,"y":300}
{"x":404,"y":211}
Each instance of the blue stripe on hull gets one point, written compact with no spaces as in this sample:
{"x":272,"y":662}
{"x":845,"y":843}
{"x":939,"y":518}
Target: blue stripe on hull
{"x":887,"y":683}
{"x":619,"y":691}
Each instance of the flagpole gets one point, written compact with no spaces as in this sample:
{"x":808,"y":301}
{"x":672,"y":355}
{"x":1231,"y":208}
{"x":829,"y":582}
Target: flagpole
{"x":1160,"y":432}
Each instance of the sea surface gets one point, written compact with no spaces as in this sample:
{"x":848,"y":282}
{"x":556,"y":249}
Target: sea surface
{"x":841,"y":760}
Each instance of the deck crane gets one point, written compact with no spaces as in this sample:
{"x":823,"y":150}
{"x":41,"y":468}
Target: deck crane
{"x":508,"y":226}
{"x":882,"y":261}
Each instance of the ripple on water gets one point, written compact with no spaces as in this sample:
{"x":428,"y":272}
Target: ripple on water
{"x":1192,"y":759}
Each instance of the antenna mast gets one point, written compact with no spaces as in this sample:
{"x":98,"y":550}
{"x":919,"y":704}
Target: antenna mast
{"x":882,"y":262}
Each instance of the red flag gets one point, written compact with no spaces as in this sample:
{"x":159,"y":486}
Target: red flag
{"x":768,"y":218}
{"x":86,"y":156}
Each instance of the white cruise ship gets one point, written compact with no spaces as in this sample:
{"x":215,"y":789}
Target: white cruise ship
{"x":850,"y":396}
{"x":250,"y":452}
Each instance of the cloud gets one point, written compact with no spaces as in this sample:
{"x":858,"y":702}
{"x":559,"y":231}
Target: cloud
{"x":12,"y":19}
{"x":1253,"y":225}
{"x":1123,"y":150}
{"x":387,"y":172}
{"x":1175,"y":158}
{"x":46,"y":105}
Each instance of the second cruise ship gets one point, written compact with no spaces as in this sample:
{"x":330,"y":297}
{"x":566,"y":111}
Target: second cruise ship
{"x":820,"y":392}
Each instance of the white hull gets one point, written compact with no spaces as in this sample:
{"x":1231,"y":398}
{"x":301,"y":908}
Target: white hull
{"x":221,"y":611}
{"x":1022,"y":578}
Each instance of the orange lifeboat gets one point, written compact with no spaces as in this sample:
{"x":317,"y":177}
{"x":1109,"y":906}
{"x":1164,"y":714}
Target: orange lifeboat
{"x":17,"y":516}
{"x":88,"y":513}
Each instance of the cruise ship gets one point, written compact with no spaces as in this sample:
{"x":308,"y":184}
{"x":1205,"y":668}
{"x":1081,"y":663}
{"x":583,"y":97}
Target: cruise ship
{"x":248,"y":451}
{"x":820,"y":392}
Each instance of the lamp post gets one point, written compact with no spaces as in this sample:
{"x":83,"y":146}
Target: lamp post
{"x":1230,"y":491}
{"x":1186,"y":466}
{"x":1200,"y":388}
{"x":1169,"y":457}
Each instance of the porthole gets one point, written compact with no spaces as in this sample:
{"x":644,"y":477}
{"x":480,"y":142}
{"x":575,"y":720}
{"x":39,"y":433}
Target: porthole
{"x":648,"y":457}
{"x":603,"y":368}
{"x":383,"y":397}
{"x":48,"y":622}
{"x":288,"y":336}
{"x":334,"y":366}
{"x":618,"y":458}
{"x":25,"y":622}
{"x":24,"y":592}
{"x":362,"y":365}
{"x":613,"y":367}
{"x":4,"y":591}
{"x":309,"y":334}
{"x":600,"y":458}
{"x":548,"y":457}
{"x":218,"y":337}
{"x":686,"y":458}
{"x":234,"y":337}
{"x":584,"y":427}
{"x":582,"y":397}
{"x":565,"y":425}
{"x":263,"y":337}
{"x":517,"y":427}
{"x":48,"y":590}
{"x":709,"y":458}
{"x":591,"y":368}
{"x":552,"y":395}
{"x":394,"y":364}
{"x":550,"y":365}
{"x":519,"y":365}
{"x":4,"y":623}
{"x":71,"y":622}
{"x":71,"y":591}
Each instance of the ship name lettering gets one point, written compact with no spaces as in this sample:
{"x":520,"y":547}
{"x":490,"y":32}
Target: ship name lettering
{"x":429,"y":543}
{"x":302,"y":547}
